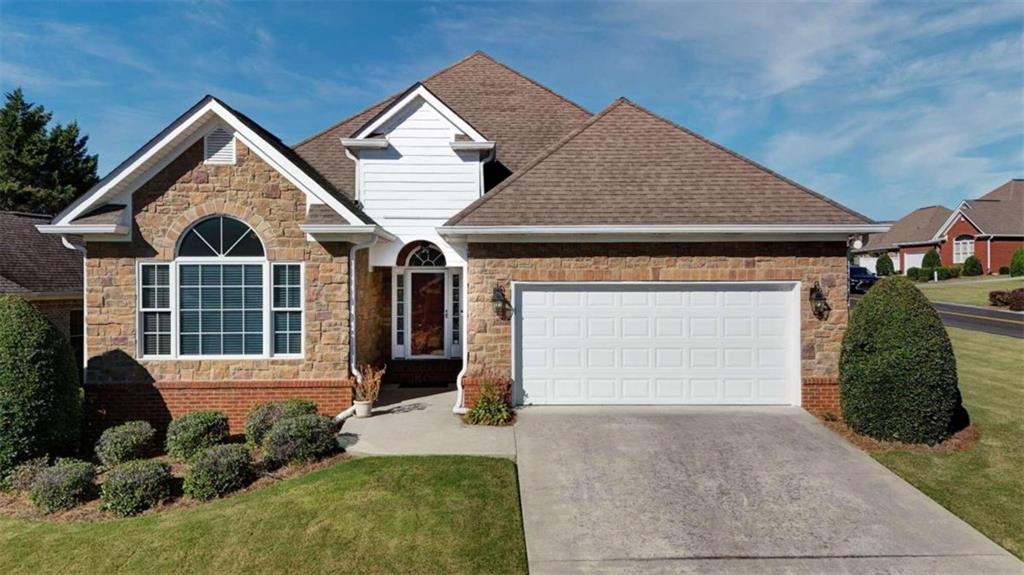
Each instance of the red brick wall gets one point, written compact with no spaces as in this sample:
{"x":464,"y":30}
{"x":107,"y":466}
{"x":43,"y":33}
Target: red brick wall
{"x":1002,"y":252}
{"x":109,"y":404}
{"x":821,"y":395}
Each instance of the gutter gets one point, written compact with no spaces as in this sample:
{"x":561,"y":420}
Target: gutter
{"x":346,"y":230}
{"x":82,"y":229}
{"x":844,"y":229}
{"x":352,"y":367}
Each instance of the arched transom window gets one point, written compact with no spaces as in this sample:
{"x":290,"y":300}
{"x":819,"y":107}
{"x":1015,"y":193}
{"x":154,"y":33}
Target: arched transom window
{"x":220,"y":297}
{"x":427,"y":256}
{"x":963,"y":248}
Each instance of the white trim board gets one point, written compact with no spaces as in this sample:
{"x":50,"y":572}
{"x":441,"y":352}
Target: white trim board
{"x":421,"y":91}
{"x":656,"y":233}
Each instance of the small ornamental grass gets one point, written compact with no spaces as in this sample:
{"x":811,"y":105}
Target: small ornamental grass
{"x":299,"y":439}
{"x":494,"y":405}
{"x":63,"y":485}
{"x":368,"y":388}
{"x":192,"y":432}
{"x":218,"y":470}
{"x":125,"y":442}
{"x":263,"y":416}
{"x":135,"y":486}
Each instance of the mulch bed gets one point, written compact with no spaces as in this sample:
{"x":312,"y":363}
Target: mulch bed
{"x":963,"y":439}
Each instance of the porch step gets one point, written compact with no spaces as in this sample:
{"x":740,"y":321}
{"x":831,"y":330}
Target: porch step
{"x":422,"y":372}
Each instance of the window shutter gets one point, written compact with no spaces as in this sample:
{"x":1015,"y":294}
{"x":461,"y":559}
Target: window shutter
{"x":220,"y":147}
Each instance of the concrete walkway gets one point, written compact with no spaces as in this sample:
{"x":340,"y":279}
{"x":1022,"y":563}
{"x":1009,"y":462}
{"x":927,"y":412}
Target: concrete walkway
{"x":725,"y":490}
{"x":419,"y":421}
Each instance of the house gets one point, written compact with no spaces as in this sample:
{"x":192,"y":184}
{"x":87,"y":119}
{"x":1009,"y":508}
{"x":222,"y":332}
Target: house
{"x":44,"y":270}
{"x":990,"y":228}
{"x":476,"y":218}
{"x":907,"y":240}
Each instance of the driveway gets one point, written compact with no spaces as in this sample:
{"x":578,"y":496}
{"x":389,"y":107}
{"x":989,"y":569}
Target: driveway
{"x":725,"y":490}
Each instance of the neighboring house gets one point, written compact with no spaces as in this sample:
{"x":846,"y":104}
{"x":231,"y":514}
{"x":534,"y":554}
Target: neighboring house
{"x":907,"y":240}
{"x":990,"y":227}
{"x":476,"y":218}
{"x":43,"y":270}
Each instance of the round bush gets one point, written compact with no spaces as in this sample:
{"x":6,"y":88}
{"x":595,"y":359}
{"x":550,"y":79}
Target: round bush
{"x":40,"y":397}
{"x":897,"y":372}
{"x":263,"y":416}
{"x":931,"y":259}
{"x":218,"y":470}
{"x":192,"y":432}
{"x":914,"y":273}
{"x":1004,"y":270}
{"x":125,"y":442}
{"x":135,"y":486}
{"x":299,"y":438}
{"x":972,"y":266}
{"x":884,"y":266}
{"x":1016,"y":300}
{"x":1017,"y":262}
{"x":63,"y":485}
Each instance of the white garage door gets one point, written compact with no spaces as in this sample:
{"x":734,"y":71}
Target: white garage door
{"x":657,"y":343}
{"x":914,"y":260}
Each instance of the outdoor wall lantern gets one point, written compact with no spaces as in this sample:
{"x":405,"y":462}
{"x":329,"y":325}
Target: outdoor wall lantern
{"x":819,"y":303}
{"x":500,"y":302}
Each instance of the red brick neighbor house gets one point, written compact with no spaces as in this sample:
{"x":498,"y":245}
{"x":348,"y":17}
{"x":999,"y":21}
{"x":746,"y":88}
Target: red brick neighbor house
{"x":476,"y":219}
{"x":990,"y":228}
{"x":44,"y":270}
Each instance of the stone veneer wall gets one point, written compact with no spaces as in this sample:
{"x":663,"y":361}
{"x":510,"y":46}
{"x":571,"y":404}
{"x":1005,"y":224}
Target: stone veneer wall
{"x":373,"y":312}
{"x":164,"y":208}
{"x":825,"y":262}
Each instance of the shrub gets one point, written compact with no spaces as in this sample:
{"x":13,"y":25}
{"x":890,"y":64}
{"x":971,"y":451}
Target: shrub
{"x":955,"y":271}
{"x":369,"y":387}
{"x":263,"y":416}
{"x":972,"y":266}
{"x":125,"y":442}
{"x":135,"y":486}
{"x":63,"y":485}
{"x":942,"y":273}
{"x":40,"y":398}
{"x":897,"y":372}
{"x":931,"y":259}
{"x":218,"y":470}
{"x":1017,"y":262}
{"x":194,"y":431}
{"x":493,"y":406}
{"x":884,"y":266}
{"x":299,"y":438}
{"x":1004,"y":270}
{"x":914,"y":273}
{"x":999,"y":298}
{"x":1016,"y":302}
{"x":25,"y":474}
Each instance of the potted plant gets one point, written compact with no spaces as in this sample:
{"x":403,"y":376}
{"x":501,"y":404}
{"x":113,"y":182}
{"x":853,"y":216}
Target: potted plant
{"x":367,"y":389}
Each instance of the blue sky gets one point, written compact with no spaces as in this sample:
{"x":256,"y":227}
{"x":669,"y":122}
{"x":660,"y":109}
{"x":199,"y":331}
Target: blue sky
{"x":884,"y":107}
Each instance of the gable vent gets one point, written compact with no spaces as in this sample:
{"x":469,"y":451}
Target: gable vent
{"x":219,"y":146}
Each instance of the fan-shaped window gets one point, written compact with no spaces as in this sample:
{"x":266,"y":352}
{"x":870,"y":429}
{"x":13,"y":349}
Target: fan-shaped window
{"x":426,"y":256}
{"x":221,"y":236}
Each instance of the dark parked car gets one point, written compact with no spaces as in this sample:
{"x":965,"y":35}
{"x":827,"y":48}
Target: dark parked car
{"x":861,"y":279}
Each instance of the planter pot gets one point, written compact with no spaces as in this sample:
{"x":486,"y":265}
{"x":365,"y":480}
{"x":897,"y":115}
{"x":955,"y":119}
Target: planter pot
{"x":364,"y":408}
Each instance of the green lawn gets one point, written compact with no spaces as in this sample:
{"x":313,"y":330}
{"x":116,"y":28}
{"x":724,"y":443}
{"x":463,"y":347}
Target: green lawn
{"x":371,"y":515}
{"x":984,"y":484}
{"x":972,"y":291}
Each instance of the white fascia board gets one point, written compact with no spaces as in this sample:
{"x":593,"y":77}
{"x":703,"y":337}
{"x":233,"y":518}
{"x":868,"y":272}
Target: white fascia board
{"x":365,"y":144}
{"x":659,"y":233}
{"x":83,"y":229}
{"x":421,"y":91}
{"x":330,"y":232}
{"x":920,"y":243}
{"x":472,"y":146}
{"x":959,"y":211}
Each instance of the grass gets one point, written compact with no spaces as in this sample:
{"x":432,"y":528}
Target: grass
{"x":983,"y":485}
{"x":971,"y":291}
{"x":370,"y":515}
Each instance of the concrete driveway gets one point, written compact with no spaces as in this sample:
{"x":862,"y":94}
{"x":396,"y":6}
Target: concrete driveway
{"x":725,"y":490}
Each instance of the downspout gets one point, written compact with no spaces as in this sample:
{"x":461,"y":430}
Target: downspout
{"x":352,"y":367}
{"x":85,"y":303}
{"x":988,"y":257}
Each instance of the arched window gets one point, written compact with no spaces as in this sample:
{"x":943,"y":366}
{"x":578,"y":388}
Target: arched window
{"x":427,"y":256}
{"x":228,"y":300}
{"x":963,"y":248}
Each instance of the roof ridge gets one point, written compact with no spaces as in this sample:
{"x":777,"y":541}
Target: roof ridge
{"x":26,"y":214}
{"x":544,"y":154}
{"x":748,"y":160}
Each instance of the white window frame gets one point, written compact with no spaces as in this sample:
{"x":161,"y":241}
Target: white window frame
{"x":139,"y":317}
{"x":963,"y":248}
{"x":301,"y":309}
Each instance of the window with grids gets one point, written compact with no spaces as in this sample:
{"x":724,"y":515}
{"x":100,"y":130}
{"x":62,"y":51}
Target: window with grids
{"x":287,"y":309}
{"x":400,"y":309}
{"x":221,"y":309}
{"x":963,"y":248}
{"x":456,"y":308}
{"x":155,"y":309}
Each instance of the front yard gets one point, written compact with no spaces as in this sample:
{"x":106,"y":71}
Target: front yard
{"x":970,"y":291}
{"x":984,"y":484}
{"x":371,"y":515}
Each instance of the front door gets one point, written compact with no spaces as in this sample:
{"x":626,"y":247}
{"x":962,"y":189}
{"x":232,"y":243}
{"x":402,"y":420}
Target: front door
{"x":427,"y":313}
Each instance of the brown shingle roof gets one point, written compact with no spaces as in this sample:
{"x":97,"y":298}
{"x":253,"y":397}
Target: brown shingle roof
{"x":32,"y":263}
{"x":1012,"y":190}
{"x":320,"y":215}
{"x":519,"y":114}
{"x":106,"y":214}
{"x":997,"y":217}
{"x":919,"y":225}
{"x":628,"y":166}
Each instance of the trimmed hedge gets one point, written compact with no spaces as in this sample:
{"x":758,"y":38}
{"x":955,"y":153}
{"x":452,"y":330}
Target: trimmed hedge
{"x":263,"y":416}
{"x":972,"y":266}
{"x":125,"y":442}
{"x":1016,"y":301}
{"x":1017,"y":262}
{"x":63,"y":485}
{"x":298,"y":439}
{"x":931,"y":259}
{"x":193,"y":432}
{"x":1000,"y":298}
{"x":218,"y":470}
{"x":135,"y":486}
{"x":884,"y":266}
{"x":897,"y":372}
{"x":914,"y":273}
{"x":40,"y":397}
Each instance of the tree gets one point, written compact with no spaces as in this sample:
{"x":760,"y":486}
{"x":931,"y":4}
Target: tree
{"x":1017,"y":263}
{"x":931,"y":259}
{"x":884,"y":266}
{"x":41,"y":170}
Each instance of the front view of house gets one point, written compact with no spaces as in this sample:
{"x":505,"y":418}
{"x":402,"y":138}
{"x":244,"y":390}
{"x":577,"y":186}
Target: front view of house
{"x":476,"y":219}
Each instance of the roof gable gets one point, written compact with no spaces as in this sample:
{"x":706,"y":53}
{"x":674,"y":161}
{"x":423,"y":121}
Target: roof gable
{"x":628,"y":166}
{"x":919,"y":226}
{"x":385,"y":119}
